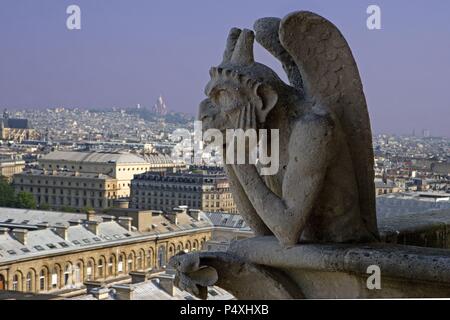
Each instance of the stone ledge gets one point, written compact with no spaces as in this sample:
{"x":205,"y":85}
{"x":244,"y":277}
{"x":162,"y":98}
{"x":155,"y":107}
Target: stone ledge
{"x":395,"y":261}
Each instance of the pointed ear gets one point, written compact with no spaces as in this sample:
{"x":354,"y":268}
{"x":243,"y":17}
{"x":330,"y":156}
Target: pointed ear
{"x":269,"y":99}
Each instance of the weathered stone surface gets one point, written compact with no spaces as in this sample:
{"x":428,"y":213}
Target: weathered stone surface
{"x":315,"y":218}
{"x":428,"y":229}
{"x":340,"y":270}
{"x":325,"y":138}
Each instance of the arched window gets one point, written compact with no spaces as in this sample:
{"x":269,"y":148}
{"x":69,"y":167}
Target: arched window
{"x":140,"y":260}
{"x":15,"y":283}
{"x":111,"y":266}
{"x":2,"y":282}
{"x":120,"y":264}
{"x":188,"y":246}
{"x":67,"y":271}
{"x":130,"y":262}
{"x":161,"y":257}
{"x":77,"y":273}
{"x":54,"y":278}
{"x":29,"y":283}
{"x":150,"y":259}
{"x":89,"y":271}
{"x":100,"y":268}
{"x":42,"y":282}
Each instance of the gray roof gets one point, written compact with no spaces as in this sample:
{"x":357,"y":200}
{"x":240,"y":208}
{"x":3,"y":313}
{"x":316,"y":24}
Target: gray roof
{"x":45,"y":240}
{"x":228,"y":220}
{"x":37,"y":216}
{"x":95,"y":157}
{"x":71,"y":174}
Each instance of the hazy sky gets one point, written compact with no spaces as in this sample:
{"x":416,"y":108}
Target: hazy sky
{"x":130,"y":51}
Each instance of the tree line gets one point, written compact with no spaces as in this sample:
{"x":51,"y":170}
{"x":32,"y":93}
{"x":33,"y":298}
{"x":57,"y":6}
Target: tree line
{"x":10,"y":198}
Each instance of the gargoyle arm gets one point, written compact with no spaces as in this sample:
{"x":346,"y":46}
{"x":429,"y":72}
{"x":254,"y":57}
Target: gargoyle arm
{"x":286,"y":217}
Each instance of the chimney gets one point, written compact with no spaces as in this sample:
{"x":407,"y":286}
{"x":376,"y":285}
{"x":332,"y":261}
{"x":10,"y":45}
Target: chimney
{"x":61,"y":231}
{"x":172,"y":217}
{"x":100,"y":293}
{"x":125,"y":222}
{"x":139,"y":276}
{"x":21,"y":235}
{"x":4,"y":231}
{"x":92,"y":226}
{"x":90,"y":214}
{"x":195,"y":214}
{"x":180,"y":209}
{"x":124,"y":292}
{"x":166,"y":283}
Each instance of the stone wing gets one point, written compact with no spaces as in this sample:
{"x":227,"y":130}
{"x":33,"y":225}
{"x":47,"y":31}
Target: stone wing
{"x":330,"y":77}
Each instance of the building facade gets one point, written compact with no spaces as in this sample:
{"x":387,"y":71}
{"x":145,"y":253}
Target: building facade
{"x":10,"y":167}
{"x":85,"y":179}
{"x":68,"y":250}
{"x":206,"y":189}
{"x":17,"y":130}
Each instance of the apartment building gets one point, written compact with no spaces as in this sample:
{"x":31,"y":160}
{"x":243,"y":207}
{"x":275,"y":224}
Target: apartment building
{"x":85,"y":179}
{"x":56,"y":252}
{"x":10,"y":167}
{"x":205,"y":188}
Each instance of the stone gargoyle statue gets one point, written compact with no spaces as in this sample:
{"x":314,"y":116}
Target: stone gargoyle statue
{"x":323,"y":191}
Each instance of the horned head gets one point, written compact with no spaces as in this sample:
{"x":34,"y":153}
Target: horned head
{"x":239,"y":81}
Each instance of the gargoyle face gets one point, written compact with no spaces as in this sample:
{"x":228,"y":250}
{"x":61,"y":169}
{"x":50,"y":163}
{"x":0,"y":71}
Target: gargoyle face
{"x":229,"y":93}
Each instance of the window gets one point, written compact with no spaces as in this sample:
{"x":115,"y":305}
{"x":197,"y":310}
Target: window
{"x":120,"y":264}
{"x":42,"y":280}
{"x":12,"y":252}
{"x":77,"y":273}
{"x":100,"y":268}
{"x":39,"y":248}
{"x":89,"y":271}
{"x":111,"y":266}
{"x":67,"y":274}
{"x":54,"y":278}
{"x":51,"y":246}
{"x":25,"y":250}
{"x":15,"y":284}
{"x":76,"y":242}
{"x":130,"y":262}
{"x":29,"y":287}
{"x":63,"y":244}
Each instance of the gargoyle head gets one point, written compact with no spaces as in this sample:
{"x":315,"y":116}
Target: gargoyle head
{"x":239,"y":82}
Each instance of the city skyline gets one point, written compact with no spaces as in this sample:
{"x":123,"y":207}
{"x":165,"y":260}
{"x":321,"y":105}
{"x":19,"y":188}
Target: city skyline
{"x":126,"y":55}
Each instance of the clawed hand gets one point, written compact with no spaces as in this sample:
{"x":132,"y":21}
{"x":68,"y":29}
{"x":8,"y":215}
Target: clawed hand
{"x":191,"y":276}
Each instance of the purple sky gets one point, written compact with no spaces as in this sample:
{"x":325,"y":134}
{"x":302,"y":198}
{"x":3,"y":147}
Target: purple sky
{"x":130,"y":51}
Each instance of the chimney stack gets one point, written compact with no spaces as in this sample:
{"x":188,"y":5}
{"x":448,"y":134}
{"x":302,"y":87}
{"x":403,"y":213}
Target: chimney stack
{"x":125,"y":222}
{"x":21,"y":235}
{"x":90,"y":215}
{"x":4,"y":231}
{"x":124,"y":291}
{"x":166,"y":283}
{"x":61,"y":231}
{"x":92,"y":226}
{"x":195,"y":214}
